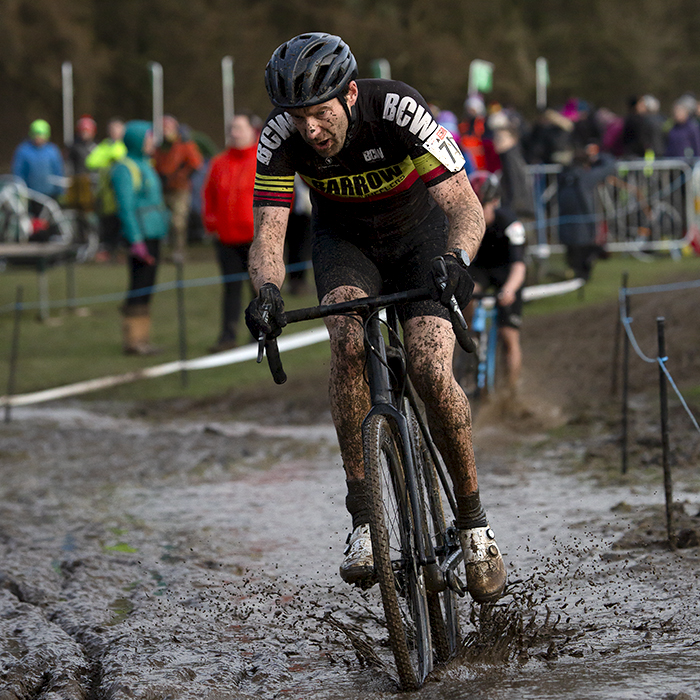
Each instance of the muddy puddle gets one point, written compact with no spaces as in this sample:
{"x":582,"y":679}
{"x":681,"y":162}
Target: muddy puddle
{"x":196,"y":558}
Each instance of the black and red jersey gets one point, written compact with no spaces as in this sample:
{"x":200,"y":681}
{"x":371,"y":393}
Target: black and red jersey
{"x":380,"y":178}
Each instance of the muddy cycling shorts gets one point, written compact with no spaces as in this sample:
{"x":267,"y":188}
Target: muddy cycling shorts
{"x":494,"y":278}
{"x":381,"y":264}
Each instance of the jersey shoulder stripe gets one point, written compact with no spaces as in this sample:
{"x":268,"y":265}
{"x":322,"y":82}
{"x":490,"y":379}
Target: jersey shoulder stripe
{"x":273,"y":190}
{"x":429,"y":167}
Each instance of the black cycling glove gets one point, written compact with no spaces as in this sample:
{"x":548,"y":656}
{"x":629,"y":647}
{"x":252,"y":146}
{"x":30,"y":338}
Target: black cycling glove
{"x":451,"y":279}
{"x":265,"y":314}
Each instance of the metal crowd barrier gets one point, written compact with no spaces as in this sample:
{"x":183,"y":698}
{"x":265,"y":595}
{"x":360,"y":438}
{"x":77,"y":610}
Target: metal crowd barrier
{"x":648,"y":205}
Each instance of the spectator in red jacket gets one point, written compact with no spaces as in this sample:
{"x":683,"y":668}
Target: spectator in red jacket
{"x":228,"y":214}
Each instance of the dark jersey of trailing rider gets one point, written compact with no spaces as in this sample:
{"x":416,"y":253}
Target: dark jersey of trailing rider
{"x":379,"y":181}
{"x":503,"y":242}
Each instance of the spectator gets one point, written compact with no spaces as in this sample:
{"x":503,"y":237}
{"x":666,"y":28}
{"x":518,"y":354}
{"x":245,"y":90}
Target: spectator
{"x":684,"y":137}
{"x":108,"y":152}
{"x":175,"y":161}
{"x":611,"y":126}
{"x":576,"y":197}
{"x":471,"y":130}
{"x":80,"y":193}
{"x":196,"y":231}
{"x":144,"y":222}
{"x":637,"y":132}
{"x":39,"y":163}
{"x":516,"y":191}
{"x":656,"y":121}
{"x":228,"y":213}
{"x":549,"y":141}
{"x":83,"y":144}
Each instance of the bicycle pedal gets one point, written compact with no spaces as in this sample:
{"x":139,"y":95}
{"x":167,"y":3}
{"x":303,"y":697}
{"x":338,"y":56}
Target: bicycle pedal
{"x":456,"y":585}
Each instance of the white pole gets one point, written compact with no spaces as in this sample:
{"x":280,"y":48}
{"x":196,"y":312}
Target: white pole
{"x":227,"y":85}
{"x":67,"y":81}
{"x":542,"y":80}
{"x":157,"y":89}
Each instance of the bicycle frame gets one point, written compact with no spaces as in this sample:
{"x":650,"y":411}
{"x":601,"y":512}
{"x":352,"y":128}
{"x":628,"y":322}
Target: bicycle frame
{"x":485,"y":323}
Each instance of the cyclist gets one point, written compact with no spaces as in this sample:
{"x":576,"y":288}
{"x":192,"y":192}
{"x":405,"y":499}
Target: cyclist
{"x":499,"y":264}
{"x":372,"y":156}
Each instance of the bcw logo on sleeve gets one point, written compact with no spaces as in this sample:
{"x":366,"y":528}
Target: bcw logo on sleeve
{"x":272,"y":135}
{"x":406,"y":112}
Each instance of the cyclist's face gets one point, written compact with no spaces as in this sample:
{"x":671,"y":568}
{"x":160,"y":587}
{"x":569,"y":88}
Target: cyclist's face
{"x":325,"y":126}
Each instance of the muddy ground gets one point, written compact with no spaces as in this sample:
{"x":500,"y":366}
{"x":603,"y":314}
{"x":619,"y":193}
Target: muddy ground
{"x":190,"y":549}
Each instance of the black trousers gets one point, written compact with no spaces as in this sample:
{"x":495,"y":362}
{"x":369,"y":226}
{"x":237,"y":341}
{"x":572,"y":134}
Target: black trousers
{"x":233,"y":261}
{"x":142,"y":276}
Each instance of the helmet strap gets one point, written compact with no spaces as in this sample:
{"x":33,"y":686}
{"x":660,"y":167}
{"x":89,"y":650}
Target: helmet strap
{"x":350,"y":113}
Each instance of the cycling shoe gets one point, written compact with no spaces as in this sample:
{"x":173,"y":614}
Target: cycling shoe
{"x":486,"y":572}
{"x":358,"y":563}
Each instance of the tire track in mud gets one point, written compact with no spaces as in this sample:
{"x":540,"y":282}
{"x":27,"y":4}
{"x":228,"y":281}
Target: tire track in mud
{"x":199,"y":560}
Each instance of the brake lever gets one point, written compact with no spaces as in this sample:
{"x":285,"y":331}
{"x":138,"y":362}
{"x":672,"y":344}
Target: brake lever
{"x":442,"y":279}
{"x":265,"y":314}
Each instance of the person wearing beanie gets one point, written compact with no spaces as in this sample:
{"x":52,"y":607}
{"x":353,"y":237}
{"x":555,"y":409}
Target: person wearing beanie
{"x":38,"y":161}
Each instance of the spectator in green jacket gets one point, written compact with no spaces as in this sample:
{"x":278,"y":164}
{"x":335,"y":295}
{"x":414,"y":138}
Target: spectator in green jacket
{"x":144,"y":223}
{"x":108,"y":152}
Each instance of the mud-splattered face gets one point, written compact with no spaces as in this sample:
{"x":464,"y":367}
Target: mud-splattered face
{"x":325,"y":126}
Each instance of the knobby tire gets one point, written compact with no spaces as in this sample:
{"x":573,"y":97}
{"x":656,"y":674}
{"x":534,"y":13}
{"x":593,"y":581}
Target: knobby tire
{"x":442,"y":606}
{"x":395,"y":560}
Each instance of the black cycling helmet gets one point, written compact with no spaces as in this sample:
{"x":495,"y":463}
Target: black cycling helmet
{"x":486,"y":185}
{"x":308,"y":70}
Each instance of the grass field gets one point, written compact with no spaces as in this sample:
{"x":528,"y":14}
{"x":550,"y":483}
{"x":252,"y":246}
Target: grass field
{"x":72,"y":347}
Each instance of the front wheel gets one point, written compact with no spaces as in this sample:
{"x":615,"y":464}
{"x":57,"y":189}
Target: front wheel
{"x":400,"y":577}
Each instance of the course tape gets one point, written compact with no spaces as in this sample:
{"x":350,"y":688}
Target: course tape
{"x":220,"y":359}
{"x":162,"y":287}
{"x":627,"y":325}
{"x":655,"y":289}
{"x":228,"y":357}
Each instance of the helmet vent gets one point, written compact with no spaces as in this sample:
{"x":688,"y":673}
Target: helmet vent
{"x":320,"y":77}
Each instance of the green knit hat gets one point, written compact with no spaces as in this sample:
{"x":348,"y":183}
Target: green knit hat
{"x":40,"y":127}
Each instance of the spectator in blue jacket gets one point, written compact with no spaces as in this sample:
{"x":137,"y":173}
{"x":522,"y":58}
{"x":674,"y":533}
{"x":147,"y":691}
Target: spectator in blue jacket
{"x":38,"y":161}
{"x":144,"y":223}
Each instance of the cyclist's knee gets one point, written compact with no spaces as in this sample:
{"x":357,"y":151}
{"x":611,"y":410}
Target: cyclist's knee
{"x":431,"y":375}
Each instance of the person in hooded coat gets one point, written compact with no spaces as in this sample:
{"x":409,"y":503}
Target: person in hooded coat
{"x":144,"y":223}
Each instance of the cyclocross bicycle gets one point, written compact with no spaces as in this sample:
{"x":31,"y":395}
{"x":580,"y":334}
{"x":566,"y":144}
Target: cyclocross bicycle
{"x":417,"y":554}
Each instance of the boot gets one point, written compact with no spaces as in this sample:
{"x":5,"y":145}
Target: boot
{"x":136,"y":327}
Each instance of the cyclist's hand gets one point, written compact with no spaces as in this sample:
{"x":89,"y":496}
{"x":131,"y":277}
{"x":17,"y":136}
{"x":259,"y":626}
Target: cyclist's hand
{"x":265,"y":314}
{"x":505,"y":297}
{"x":140,"y":252}
{"x":457,"y":281}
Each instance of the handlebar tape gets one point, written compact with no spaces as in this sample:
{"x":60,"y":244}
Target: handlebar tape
{"x":274,"y":361}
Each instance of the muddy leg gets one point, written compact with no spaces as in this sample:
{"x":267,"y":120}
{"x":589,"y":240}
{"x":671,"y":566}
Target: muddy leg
{"x":514,"y":361}
{"x":430,"y":346}
{"x":349,"y":396}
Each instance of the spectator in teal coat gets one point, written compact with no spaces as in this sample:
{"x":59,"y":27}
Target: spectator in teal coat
{"x":144,"y":223}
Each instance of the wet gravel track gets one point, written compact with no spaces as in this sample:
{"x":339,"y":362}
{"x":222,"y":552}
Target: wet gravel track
{"x":192,"y":558}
